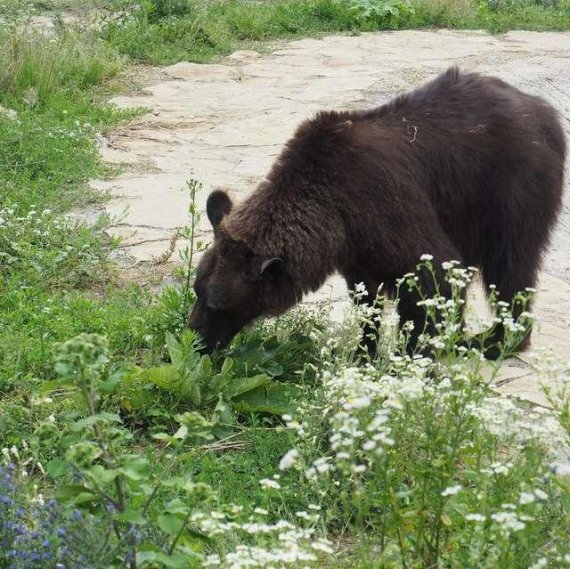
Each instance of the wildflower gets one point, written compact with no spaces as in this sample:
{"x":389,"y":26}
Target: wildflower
{"x":475,"y":518}
{"x":321,"y":465}
{"x":508,"y":521}
{"x":358,"y":403}
{"x":360,"y":288}
{"x":304,"y":515}
{"x":452,"y":490}
{"x":527,"y":498}
{"x":561,"y":469}
{"x":426,"y":257}
{"x":289,"y":459}
{"x":540,"y":494}
{"x":268,"y":483}
{"x":540,"y":563}
{"x":322,"y":545}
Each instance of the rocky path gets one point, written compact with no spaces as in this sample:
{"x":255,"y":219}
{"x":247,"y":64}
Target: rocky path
{"x":224,"y":125}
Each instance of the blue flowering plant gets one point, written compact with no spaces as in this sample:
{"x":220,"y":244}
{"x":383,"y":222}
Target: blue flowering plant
{"x":38,"y":533}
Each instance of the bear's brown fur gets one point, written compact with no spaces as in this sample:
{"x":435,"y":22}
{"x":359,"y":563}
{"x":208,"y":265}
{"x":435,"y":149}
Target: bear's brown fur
{"x":466,"y":167}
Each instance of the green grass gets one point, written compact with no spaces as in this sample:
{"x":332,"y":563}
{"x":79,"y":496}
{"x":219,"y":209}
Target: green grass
{"x":165,"y":32}
{"x":38,"y":66}
{"x":50,"y":268}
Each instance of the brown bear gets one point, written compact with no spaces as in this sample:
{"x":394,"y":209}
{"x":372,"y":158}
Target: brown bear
{"x":465,"y":168}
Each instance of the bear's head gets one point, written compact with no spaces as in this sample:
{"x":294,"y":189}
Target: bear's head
{"x":233,"y":284}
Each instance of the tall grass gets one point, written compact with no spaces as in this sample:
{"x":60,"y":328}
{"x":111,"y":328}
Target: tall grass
{"x":38,"y":66}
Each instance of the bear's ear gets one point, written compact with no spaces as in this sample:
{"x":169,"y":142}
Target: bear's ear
{"x":218,"y":206}
{"x":270,"y":268}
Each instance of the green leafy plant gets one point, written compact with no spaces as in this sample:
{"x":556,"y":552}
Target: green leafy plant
{"x":194,"y":381}
{"x":114,"y":483}
{"x":177,"y":300}
{"x":382,"y":9}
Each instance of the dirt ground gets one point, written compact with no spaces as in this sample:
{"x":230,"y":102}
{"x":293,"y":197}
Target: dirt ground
{"x":225,"y":124}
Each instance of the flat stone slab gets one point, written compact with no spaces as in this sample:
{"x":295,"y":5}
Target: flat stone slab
{"x":224,"y":124}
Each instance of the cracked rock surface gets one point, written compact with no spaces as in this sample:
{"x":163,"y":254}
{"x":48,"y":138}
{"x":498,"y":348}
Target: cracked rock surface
{"x":225,"y":124}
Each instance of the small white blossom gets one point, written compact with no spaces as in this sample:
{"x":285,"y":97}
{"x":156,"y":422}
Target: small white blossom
{"x":526,"y":498}
{"x":508,"y":521}
{"x":268,"y":483}
{"x":540,"y":494}
{"x":475,"y":517}
{"x":322,"y":545}
{"x":452,"y":490}
{"x":289,"y":459}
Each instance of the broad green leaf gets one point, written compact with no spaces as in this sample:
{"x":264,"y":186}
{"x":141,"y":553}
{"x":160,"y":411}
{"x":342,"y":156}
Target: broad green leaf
{"x":181,"y":433}
{"x":175,"y":351}
{"x":57,"y":467}
{"x":135,"y":467}
{"x":164,"y":437}
{"x":165,"y":377}
{"x":211,"y":387}
{"x":101,"y":475}
{"x":227,"y":366}
{"x":102,"y":417}
{"x":224,"y":419}
{"x":240,"y":385}
{"x":69,"y":491}
{"x":170,"y":524}
{"x":170,"y":379}
{"x":174,"y":561}
{"x":109,"y":385}
{"x":83,"y":498}
{"x":176,"y":506}
{"x":272,"y":368}
{"x":131,"y":517}
{"x":206,"y":366}
{"x":275,"y":398}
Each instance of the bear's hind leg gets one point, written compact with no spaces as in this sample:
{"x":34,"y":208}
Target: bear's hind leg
{"x":510,"y":277}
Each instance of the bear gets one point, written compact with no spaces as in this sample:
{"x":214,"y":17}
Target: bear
{"x":465,"y":168}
